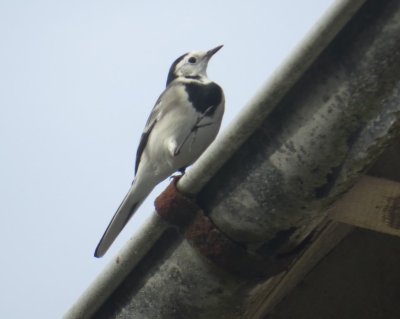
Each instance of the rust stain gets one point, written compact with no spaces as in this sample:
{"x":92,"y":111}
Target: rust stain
{"x":229,"y":255}
{"x":208,"y":240}
{"x":183,"y":212}
{"x":175,"y":207}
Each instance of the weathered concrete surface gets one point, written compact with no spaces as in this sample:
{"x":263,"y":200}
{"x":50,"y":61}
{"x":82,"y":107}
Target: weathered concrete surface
{"x":175,"y":281}
{"x":329,"y":128}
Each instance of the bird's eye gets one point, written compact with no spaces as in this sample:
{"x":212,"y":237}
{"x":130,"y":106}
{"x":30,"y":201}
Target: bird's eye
{"x":192,"y":60}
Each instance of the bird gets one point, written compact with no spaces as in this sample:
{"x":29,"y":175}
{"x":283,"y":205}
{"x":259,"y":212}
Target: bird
{"x":184,"y":121}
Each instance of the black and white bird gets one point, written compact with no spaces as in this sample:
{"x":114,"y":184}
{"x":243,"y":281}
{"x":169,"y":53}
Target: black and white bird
{"x":184,"y":121}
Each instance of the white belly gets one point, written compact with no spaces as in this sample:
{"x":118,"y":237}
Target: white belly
{"x":173,"y":144}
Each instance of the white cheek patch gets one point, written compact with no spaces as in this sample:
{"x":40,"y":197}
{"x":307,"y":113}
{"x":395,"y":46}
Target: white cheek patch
{"x":180,"y":65}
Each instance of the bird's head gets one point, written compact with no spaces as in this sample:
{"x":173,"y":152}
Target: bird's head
{"x":191,"y":65}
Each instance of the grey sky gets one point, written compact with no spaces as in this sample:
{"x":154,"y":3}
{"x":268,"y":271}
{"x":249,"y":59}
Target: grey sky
{"x":77,"y":81}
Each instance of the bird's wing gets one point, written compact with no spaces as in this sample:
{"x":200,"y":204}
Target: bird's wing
{"x":166,"y":101}
{"x":154,"y":117}
{"x":137,"y":193}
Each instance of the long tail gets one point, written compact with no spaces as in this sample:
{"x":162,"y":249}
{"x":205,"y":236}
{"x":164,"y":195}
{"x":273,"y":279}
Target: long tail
{"x":125,"y":211}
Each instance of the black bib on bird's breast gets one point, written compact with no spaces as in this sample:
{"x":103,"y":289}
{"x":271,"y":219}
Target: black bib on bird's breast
{"x":203,"y":96}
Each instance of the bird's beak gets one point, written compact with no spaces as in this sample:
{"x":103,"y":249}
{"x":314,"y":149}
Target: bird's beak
{"x":211,"y":52}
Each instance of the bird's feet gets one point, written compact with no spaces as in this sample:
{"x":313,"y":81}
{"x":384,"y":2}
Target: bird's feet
{"x":178,"y":174}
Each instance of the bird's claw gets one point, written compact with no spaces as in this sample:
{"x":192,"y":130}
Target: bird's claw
{"x":178,"y":175}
